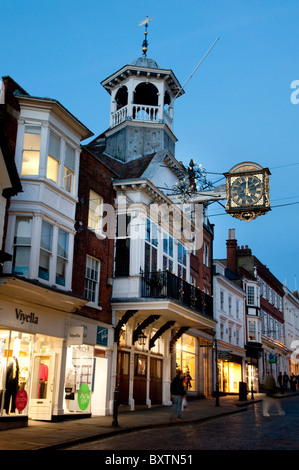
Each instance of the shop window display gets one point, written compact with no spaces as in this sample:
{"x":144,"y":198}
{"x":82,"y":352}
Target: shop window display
{"x":15,"y":363}
{"x":78,"y":379}
{"x":186,"y":360}
{"x":230,"y":374}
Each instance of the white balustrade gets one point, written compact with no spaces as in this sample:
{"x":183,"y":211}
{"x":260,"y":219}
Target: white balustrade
{"x":119,"y":116}
{"x":138,"y":112}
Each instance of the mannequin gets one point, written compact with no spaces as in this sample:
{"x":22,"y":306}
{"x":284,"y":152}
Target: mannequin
{"x":11,"y":385}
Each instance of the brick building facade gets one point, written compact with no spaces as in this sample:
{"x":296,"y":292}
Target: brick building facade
{"x":97,"y":177}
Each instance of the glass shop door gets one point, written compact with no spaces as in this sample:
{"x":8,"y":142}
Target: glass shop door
{"x":40,"y":406}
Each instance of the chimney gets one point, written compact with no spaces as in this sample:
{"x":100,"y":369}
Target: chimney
{"x":231,"y":251}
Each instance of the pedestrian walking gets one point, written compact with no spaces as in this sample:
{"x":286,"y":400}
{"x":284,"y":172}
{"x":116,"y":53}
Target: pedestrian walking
{"x":293,"y":382}
{"x":285,"y":381}
{"x":280,"y":381}
{"x":271,"y":399}
{"x":178,"y":392}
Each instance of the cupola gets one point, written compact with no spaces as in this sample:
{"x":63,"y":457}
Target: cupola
{"x":141,"y":108}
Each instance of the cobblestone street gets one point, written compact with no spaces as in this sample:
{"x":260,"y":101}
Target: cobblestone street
{"x":242,"y":431}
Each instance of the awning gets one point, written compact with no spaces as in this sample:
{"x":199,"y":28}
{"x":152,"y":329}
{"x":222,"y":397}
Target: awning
{"x":20,"y":289}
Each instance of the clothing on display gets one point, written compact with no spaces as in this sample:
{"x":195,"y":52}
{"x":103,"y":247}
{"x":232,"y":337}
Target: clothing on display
{"x":43,"y":381}
{"x":11,"y":385}
{"x":70,"y":384}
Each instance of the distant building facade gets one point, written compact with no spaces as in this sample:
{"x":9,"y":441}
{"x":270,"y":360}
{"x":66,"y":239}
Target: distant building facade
{"x":229,"y":312}
{"x":264,"y":329}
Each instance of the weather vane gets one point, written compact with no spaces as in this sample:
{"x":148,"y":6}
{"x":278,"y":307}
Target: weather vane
{"x":145,"y":42}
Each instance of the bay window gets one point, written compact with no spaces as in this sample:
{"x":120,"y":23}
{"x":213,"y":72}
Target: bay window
{"x":40,"y":250}
{"x":44,"y":160}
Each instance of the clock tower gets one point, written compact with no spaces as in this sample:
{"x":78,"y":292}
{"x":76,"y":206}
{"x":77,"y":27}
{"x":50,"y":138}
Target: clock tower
{"x":141,"y":109}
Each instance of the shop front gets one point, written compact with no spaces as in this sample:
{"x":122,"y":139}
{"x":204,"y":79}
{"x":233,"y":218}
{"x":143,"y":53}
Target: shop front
{"x":187,"y":360}
{"x":229,"y":374}
{"x":152,"y":339}
{"x":51,"y":361}
{"x":143,"y":371}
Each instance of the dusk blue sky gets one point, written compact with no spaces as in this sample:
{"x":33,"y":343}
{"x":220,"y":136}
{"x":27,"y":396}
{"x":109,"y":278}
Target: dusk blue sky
{"x":237,"y":106}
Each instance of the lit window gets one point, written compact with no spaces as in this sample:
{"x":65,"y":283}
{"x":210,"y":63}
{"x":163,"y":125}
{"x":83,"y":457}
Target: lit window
{"x":92,"y":279}
{"x":95,"y":212}
{"x":69,"y":168}
{"x":251,"y":331}
{"x":31,"y":151}
{"x":53,"y":158}
{"x":62,"y":257}
{"x":22,"y":246}
{"x":45,"y":251}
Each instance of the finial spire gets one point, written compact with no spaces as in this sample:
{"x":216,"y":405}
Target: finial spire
{"x":145,"y":42}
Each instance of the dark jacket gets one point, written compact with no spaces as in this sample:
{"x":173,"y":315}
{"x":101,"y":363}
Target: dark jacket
{"x":270,"y":386}
{"x":177,"y":387}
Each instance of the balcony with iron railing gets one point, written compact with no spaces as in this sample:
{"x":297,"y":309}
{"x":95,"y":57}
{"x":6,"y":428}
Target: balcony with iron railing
{"x":166,"y":285}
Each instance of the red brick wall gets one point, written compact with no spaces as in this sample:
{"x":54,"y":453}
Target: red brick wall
{"x":93,"y":175}
{"x":198,"y":270}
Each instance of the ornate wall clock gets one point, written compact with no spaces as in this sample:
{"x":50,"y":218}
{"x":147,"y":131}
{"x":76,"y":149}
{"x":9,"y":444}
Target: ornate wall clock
{"x":247,"y":188}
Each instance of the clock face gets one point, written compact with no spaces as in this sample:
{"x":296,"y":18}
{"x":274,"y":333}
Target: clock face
{"x":246,"y":190}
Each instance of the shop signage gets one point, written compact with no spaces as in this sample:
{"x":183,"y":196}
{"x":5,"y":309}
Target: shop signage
{"x":21,"y":400}
{"x":272,"y":358}
{"x":102,"y":336}
{"x":83,"y":397}
{"x":26,"y":317}
{"x":75,"y":335}
{"x":224,"y":355}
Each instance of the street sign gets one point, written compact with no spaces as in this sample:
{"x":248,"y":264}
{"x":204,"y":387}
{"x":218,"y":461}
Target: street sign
{"x":225,"y":355}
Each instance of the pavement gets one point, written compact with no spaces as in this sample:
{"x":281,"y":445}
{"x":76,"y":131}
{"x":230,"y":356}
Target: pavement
{"x":44,"y":435}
